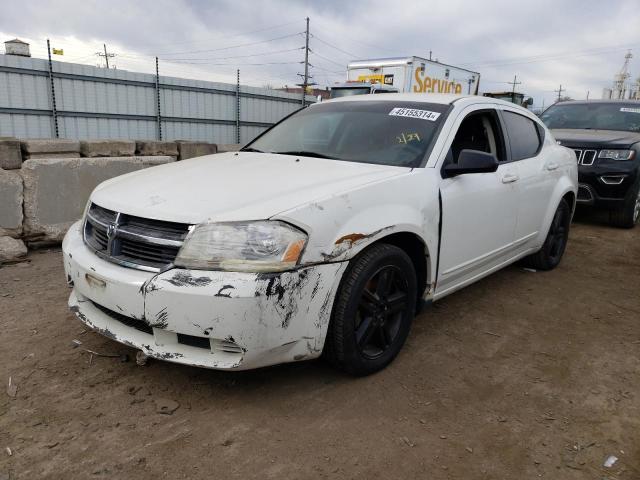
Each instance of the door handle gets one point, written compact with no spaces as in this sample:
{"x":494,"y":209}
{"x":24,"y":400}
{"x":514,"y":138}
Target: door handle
{"x":551,"y":166}
{"x":508,"y":178}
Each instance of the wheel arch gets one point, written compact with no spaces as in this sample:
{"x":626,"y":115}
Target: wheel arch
{"x":417,"y":250}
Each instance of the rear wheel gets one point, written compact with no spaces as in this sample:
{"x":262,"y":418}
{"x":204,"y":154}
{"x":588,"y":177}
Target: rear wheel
{"x":373,"y":310}
{"x":549,"y":256}
{"x":629,"y":214}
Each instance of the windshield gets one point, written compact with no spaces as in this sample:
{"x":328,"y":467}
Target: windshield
{"x":597,"y":116}
{"x":348,"y":92}
{"x":380,"y":132}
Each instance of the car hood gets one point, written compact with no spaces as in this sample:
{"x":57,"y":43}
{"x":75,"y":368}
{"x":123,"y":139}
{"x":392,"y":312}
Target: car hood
{"x":595,"y":138}
{"x":234,"y":186}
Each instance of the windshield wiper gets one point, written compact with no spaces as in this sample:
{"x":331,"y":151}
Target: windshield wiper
{"x":251,"y":149}
{"x":304,"y":153}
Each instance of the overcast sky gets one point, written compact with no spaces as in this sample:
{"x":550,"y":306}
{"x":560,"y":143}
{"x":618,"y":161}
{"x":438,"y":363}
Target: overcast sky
{"x":577,"y":43}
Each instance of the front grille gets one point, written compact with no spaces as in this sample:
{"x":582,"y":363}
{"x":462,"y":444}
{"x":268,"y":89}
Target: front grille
{"x":132,"y":241}
{"x":585,"y":156}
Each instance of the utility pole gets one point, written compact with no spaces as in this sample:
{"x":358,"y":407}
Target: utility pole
{"x":513,"y":90}
{"x":105,"y":54}
{"x":559,"y":92}
{"x":305,"y":82}
{"x":430,"y":55}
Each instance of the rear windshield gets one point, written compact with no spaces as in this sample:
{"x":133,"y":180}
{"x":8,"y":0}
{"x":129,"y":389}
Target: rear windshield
{"x":379,"y":132}
{"x":350,"y":91}
{"x":598,"y":116}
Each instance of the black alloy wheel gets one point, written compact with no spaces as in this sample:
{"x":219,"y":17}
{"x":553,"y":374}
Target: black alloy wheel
{"x":373,"y":310}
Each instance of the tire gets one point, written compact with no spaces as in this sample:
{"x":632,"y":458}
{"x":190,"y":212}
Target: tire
{"x":549,"y":256}
{"x":629,"y":214}
{"x":373,"y":310}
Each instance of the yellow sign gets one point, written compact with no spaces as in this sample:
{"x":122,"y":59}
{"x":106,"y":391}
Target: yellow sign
{"x":371,"y":78}
{"x":58,"y":51}
{"x":425,"y":83}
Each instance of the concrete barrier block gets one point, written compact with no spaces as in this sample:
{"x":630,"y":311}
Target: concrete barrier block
{"x":10,"y":154}
{"x":228,"y":147}
{"x":107,"y":148}
{"x":56,"y":190}
{"x":50,"y":148}
{"x":195,"y":149}
{"x":10,"y":204}
{"x":149,"y":147}
{"x":12,"y":250}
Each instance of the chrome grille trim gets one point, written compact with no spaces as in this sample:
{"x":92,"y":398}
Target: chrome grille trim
{"x":133,"y":242}
{"x":585,"y":156}
{"x":589,"y":157}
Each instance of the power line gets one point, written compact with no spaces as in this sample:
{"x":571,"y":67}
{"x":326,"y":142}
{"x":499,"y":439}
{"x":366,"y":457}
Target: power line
{"x":353,"y":40}
{"x":328,"y":59}
{"x":249,"y":44}
{"x":336,"y":48}
{"x":224,"y":36}
{"x":544,"y":57}
{"x":261,"y":54}
{"x":233,"y":64}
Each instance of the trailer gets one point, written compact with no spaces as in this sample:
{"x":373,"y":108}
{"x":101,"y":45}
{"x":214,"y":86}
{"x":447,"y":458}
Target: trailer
{"x":415,"y":75}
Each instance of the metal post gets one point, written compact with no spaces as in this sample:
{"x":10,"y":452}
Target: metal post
{"x":238,"y":106}
{"x":306,"y":65}
{"x":54,"y":111}
{"x":158,"y":117}
{"x":106,"y":57}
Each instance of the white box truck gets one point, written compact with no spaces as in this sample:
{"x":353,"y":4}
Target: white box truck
{"x":406,"y":74}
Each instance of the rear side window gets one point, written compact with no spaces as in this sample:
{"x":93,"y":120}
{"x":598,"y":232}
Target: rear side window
{"x":524,"y":136}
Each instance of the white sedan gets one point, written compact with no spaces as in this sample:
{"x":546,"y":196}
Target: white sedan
{"x":322,"y":236}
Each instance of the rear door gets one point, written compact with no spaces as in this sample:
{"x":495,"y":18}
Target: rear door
{"x":479,"y":210}
{"x":536,"y":171}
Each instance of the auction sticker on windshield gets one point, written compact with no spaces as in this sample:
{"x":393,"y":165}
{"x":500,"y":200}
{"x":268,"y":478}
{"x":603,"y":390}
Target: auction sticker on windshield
{"x":630,"y":110}
{"x":415,"y":113}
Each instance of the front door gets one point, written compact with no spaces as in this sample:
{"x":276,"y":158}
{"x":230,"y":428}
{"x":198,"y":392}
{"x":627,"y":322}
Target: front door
{"x":479,"y":210}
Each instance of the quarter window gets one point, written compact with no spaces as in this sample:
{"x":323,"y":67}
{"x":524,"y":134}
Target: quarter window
{"x":524,"y":136}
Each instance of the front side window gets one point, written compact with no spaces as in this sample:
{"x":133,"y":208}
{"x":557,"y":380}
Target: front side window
{"x":379,"y":132}
{"x":524,"y":136}
{"x":619,"y":116}
{"x":478,"y":131}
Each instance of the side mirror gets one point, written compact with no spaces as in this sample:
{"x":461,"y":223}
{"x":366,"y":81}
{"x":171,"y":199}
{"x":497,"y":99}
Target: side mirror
{"x":529,"y":101}
{"x":471,"y":161}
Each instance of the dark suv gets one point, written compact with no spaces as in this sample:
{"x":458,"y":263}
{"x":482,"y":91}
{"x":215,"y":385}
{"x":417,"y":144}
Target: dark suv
{"x":605,"y":135}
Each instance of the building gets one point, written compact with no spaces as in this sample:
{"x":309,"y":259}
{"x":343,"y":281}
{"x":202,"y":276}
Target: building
{"x":513,"y":97}
{"x":17,"y":47}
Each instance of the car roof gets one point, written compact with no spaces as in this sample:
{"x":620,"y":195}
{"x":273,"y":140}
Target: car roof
{"x":440,"y":98}
{"x":612,"y":101}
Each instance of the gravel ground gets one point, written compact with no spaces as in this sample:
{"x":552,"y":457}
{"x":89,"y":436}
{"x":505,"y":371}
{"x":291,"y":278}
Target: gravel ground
{"x":522,"y":375}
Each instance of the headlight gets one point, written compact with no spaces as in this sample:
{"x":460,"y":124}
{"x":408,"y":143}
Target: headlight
{"x":616,"y":154}
{"x":261,"y":246}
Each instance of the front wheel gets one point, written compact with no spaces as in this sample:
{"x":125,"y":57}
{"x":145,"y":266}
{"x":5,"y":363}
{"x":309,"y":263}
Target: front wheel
{"x":372,"y":314}
{"x":629,"y":214}
{"x":549,"y":256}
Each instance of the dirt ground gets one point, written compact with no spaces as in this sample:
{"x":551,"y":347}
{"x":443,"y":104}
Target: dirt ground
{"x":522,"y":375}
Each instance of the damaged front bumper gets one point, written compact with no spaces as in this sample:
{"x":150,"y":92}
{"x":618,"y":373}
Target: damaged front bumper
{"x":211,"y":319}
